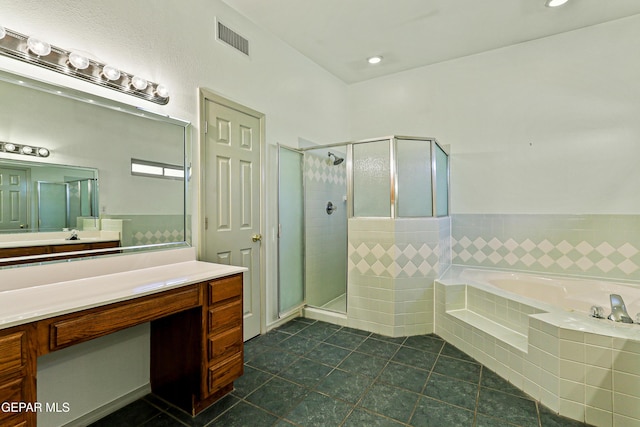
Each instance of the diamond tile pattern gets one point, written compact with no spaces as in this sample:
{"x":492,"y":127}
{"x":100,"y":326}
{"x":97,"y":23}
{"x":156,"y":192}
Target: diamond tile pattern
{"x":157,"y":236}
{"x":394,"y":260}
{"x":604,"y":258}
{"x":588,"y":245}
{"x":322,"y":169}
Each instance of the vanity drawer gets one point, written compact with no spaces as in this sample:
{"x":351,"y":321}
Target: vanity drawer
{"x":225,"y":344}
{"x":13,"y":352}
{"x":223,"y":289}
{"x":13,"y":391}
{"x":105,"y":320}
{"x":224,"y":317}
{"x":224,"y":373}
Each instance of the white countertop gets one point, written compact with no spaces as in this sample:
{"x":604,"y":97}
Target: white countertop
{"x":29,"y":304}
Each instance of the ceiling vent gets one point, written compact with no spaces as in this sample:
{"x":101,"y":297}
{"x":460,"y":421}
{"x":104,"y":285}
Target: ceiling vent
{"x":233,"y":39}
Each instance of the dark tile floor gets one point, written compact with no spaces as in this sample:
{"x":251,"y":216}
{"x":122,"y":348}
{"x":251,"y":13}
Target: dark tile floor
{"x":309,"y":373}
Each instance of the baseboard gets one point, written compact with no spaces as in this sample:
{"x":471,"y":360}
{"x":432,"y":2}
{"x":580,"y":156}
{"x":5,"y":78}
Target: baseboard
{"x":110,"y":407}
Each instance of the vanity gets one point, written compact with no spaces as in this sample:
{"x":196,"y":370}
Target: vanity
{"x":45,"y":247}
{"x":195,"y":314}
{"x":128,"y":308}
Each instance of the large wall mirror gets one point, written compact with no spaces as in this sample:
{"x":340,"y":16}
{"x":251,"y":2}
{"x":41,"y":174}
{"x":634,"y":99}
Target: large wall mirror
{"x":83,"y":198}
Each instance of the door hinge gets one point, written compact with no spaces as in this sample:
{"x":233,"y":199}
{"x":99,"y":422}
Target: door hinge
{"x":206,"y":223}
{"x":206,"y":127}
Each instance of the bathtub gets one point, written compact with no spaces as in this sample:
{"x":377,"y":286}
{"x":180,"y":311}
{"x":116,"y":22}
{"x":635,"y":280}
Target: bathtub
{"x":536,"y":332}
{"x":568,"y":294}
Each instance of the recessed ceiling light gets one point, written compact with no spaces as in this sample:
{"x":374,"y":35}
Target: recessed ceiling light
{"x":555,"y":3}
{"x":374,"y":60}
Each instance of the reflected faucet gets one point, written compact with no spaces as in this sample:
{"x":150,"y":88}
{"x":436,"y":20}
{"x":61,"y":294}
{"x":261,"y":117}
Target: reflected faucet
{"x":619,"y":310}
{"x":74,"y":235}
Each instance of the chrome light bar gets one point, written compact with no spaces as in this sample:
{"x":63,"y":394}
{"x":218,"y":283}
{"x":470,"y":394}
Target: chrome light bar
{"x":75,"y":64}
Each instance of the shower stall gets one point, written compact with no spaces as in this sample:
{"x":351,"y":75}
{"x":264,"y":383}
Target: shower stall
{"x":323,"y":190}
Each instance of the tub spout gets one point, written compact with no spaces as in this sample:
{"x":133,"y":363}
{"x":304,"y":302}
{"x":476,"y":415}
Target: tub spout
{"x":619,"y":310}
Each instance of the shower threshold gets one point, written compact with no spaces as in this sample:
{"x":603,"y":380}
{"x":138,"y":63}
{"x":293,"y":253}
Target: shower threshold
{"x":338,"y":304}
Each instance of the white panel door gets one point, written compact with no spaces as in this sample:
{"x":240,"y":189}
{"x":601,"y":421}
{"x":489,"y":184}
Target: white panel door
{"x":232,"y":199}
{"x":13,"y":199}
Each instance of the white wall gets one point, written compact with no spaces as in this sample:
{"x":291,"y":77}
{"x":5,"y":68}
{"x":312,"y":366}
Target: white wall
{"x":547,"y":126}
{"x":173,"y":43}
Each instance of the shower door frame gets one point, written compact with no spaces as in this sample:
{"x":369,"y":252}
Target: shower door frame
{"x":347,"y":147}
{"x":282,"y":314}
{"x":348,"y":189}
{"x":393,"y":177}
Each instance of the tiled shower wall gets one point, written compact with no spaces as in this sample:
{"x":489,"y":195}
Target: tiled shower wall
{"x":326,"y":235}
{"x":392,"y":265}
{"x":585,"y":245}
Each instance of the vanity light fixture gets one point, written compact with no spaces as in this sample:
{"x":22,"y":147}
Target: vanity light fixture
{"x":27,"y":150}
{"x":36,"y":51}
{"x":555,"y":3}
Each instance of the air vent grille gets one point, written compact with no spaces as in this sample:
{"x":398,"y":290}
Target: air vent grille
{"x":232,"y":38}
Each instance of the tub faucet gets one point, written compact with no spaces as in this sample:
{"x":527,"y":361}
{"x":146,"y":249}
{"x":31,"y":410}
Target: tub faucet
{"x":619,"y":310}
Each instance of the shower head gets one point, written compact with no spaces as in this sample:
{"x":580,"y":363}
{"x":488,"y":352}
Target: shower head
{"x":337,"y":160}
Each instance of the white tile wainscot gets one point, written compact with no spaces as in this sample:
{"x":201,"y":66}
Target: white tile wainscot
{"x":583,"y":368}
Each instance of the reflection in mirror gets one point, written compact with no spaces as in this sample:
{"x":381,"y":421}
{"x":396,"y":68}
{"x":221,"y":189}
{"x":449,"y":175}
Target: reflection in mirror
{"x":38,"y":197}
{"x":45,"y":198}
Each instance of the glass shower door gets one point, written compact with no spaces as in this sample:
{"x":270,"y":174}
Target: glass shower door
{"x":53,"y":206}
{"x":290,"y":230}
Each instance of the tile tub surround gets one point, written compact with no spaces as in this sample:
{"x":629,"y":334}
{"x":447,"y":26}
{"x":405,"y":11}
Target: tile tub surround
{"x":584,"y":245}
{"x":391,"y":267}
{"x":583,"y":368}
{"x":309,"y":373}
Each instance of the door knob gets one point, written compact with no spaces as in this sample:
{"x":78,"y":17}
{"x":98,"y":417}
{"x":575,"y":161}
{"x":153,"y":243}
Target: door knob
{"x":256,"y":237}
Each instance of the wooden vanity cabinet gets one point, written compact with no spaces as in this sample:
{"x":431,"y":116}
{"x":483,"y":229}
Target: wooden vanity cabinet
{"x":17,"y":374}
{"x":197,"y":354}
{"x":196,"y":344}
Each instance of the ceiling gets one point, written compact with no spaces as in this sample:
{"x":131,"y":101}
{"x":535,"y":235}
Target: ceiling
{"x":340,"y":35}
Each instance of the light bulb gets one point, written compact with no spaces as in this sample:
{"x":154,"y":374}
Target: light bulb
{"x":9,"y":147}
{"x":110,"y":72}
{"x":162,"y":91}
{"x":3,"y":32}
{"x":555,"y":3}
{"x":79,"y":62}
{"x":39,"y":47}
{"x":139,"y":83}
{"x":27,"y":150}
{"x":43,"y":152}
